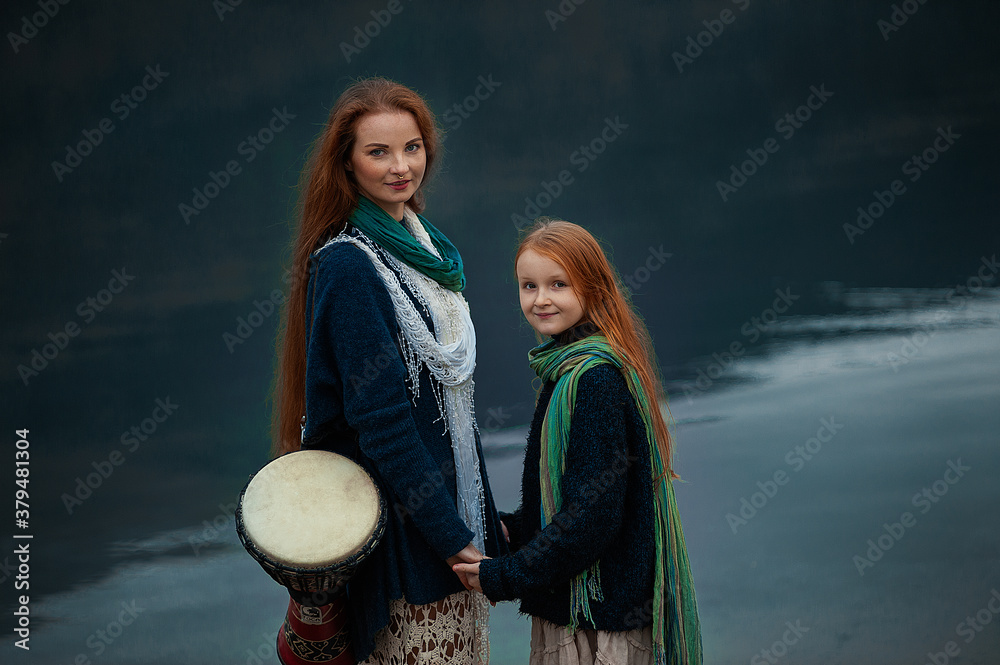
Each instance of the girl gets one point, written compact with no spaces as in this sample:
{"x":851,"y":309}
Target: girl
{"x":601,"y":564}
{"x":377,"y":354}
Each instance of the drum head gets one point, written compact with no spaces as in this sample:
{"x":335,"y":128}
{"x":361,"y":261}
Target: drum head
{"x":310,"y":509}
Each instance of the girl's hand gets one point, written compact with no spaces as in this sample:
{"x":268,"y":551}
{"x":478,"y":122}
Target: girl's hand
{"x":470,"y":571}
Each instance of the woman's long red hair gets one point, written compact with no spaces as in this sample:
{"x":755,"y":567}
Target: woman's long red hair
{"x":607,"y":305}
{"x":328,"y":194}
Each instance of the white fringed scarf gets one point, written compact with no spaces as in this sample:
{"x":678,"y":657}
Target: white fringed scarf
{"x":449,"y":354}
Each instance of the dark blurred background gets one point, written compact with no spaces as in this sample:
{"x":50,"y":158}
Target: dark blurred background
{"x":721,"y":150}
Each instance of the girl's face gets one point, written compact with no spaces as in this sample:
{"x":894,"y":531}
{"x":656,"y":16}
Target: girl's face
{"x":548,"y":300}
{"x":388,"y":159}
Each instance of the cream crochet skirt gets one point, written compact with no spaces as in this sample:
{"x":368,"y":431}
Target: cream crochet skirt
{"x":453,"y":630}
{"x":554,"y":645}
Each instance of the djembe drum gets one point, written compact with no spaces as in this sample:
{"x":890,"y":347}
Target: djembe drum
{"x":309,"y":518}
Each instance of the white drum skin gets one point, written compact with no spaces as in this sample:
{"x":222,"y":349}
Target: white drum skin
{"x":310,"y":509}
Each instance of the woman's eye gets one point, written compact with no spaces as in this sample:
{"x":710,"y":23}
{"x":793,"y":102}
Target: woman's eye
{"x":377,"y":152}
{"x":414,"y":147}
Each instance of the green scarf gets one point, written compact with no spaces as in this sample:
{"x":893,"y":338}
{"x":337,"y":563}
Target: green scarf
{"x":393,"y":237}
{"x":676,"y":628}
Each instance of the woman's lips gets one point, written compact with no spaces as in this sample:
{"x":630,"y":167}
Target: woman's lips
{"x":399,"y":184}
{"x":545,"y":316}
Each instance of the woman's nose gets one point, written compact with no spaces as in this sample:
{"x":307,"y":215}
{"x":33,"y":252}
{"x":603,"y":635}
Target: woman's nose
{"x":399,"y":166}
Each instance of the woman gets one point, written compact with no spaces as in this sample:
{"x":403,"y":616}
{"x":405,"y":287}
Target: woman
{"x":376,"y":363}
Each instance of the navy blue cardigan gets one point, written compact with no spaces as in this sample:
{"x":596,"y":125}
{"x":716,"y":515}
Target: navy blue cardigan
{"x":607,"y":514}
{"x":358,"y":403}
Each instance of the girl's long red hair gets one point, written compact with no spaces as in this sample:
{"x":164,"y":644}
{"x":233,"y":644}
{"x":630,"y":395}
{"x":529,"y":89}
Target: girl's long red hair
{"x":607,"y":305}
{"x":328,"y":194}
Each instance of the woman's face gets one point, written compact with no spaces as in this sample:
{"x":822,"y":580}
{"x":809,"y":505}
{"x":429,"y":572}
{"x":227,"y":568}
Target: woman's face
{"x":548,"y":300}
{"x":388,"y":159}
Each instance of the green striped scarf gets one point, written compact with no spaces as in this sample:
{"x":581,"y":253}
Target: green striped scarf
{"x":676,"y":628}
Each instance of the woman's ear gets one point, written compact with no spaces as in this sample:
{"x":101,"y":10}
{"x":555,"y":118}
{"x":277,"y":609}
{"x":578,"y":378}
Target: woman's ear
{"x":348,"y":167}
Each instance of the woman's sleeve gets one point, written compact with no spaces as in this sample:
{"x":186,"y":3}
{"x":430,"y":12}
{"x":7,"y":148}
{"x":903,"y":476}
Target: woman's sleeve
{"x":593,"y":488}
{"x":355,"y":326}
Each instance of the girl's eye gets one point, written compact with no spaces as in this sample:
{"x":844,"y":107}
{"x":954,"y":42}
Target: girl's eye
{"x":560,"y":284}
{"x":528,"y":285}
{"x":377,"y":152}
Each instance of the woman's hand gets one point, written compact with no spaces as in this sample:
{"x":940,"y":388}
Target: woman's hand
{"x":470,"y":571}
{"x":469,"y":554}
{"x":506,"y":533}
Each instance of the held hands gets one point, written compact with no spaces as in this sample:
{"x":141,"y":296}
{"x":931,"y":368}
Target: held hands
{"x":469,"y":554}
{"x":465,"y":563}
{"x":469,"y":571}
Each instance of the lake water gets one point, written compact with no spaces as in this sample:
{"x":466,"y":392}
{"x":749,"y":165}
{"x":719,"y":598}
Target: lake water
{"x":839,"y":482}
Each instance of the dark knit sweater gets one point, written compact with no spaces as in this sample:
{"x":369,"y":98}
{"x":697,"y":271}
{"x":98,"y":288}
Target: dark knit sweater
{"x":607,"y":514}
{"x":358,"y":404}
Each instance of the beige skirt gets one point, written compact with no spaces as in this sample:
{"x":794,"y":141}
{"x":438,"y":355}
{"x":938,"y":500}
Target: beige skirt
{"x":453,"y":630}
{"x":555,"y":645}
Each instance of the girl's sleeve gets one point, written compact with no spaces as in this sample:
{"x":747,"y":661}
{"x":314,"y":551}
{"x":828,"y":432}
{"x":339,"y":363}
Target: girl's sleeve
{"x":593,"y":488}
{"x":354,"y":343}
